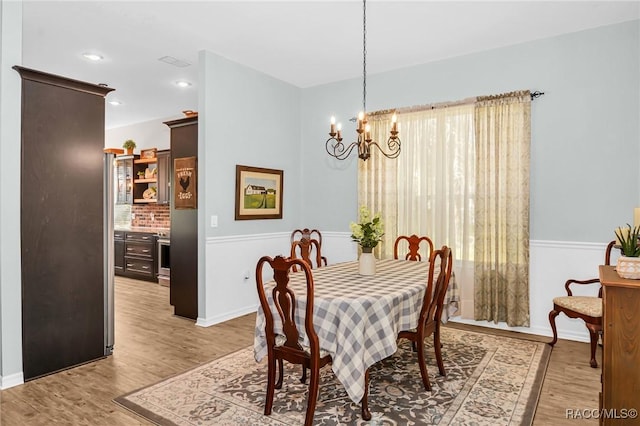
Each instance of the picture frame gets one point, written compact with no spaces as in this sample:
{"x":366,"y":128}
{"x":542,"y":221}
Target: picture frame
{"x":185,"y":173}
{"x":149,"y":154}
{"x":258,"y":193}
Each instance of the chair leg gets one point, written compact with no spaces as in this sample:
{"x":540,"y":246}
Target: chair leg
{"x":552,"y":320}
{"x":437,"y":346}
{"x":271,"y":378}
{"x":593,"y":335}
{"x":303,"y":379}
{"x":280,"y":374}
{"x":423,"y":365}
{"x":313,"y":395}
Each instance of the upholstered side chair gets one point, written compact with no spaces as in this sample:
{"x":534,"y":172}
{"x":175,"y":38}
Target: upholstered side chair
{"x":587,"y":308}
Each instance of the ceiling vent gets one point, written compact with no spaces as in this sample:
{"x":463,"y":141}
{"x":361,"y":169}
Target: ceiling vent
{"x":175,"y":62}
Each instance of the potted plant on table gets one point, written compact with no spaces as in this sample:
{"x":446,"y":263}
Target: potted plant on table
{"x":628,"y":265}
{"x":129,"y":145}
{"x":367,"y":233}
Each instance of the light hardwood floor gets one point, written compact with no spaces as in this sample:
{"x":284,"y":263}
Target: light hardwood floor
{"x":152,"y":344}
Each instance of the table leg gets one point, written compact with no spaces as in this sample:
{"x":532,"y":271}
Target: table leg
{"x":366,"y":414}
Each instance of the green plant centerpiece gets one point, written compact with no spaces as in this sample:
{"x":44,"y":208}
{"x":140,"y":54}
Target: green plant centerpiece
{"x":129,"y":145}
{"x":368,"y":231}
{"x":628,"y":265}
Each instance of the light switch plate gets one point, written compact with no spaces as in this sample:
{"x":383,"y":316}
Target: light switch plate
{"x":214,"y":221}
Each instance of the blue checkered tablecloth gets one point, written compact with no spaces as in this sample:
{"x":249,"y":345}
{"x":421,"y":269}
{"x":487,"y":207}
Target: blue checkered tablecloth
{"x":357,"y":318}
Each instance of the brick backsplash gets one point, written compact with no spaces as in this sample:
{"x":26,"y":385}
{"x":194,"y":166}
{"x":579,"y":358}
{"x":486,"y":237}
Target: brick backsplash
{"x":161,"y":216}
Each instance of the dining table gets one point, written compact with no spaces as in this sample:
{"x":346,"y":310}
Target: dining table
{"x":357,"y":317}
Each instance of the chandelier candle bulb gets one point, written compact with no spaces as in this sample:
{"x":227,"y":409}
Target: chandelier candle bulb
{"x":339,"y":131}
{"x":333,"y":125}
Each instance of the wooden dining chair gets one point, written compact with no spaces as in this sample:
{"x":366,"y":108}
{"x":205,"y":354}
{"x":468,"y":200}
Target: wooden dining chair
{"x":414,"y":246}
{"x":431,"y":312}
{"x":309,"y":251}
{"x":310,"y":234}
{"x":587,"y":308}
{"x":287,"y":346}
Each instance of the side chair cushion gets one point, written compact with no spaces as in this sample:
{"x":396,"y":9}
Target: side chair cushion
{"x":586,"y":305}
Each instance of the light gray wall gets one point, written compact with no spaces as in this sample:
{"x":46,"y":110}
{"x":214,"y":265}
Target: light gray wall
{"x":251,"y":119}
{"x":585,"y":177}
{"x":10,"y":119}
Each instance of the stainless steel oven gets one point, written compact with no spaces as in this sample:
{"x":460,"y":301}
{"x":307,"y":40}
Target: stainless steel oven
{"x":164,"y":259}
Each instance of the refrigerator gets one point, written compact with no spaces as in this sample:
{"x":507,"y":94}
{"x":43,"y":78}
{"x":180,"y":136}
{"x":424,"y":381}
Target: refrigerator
{"x":109,"y":267}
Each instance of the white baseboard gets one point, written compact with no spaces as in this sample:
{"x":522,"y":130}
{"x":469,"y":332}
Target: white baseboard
{"x":11,"y":380}
{"x":208,"y":322}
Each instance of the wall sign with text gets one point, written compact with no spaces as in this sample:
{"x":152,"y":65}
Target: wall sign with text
{"x":185,"y":190}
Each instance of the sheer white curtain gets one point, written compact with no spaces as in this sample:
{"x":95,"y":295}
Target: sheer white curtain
{"x":429,"y":189}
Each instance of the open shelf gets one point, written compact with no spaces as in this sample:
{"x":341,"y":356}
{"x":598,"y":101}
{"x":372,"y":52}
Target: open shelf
{"x":145,"y":160}
{"x":145,"y":200}
{"x":154,"y":180}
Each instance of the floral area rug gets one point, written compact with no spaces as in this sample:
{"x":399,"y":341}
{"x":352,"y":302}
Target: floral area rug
{"x":490,"y":380}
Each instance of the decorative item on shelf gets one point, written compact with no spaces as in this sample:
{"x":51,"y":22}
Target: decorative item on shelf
{"x":149,"y":173}
{"x":367,"y":233}
{"x":148,"y":154}
{"x":364,"y":142}
{"x":150,"y":193}
{"x":189,"y":113}
{"x":129,"y":145}
{"x":141,"y":174}
{"x":628,"y":265}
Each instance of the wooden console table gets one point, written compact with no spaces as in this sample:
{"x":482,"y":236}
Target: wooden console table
{"x":621,"y":348}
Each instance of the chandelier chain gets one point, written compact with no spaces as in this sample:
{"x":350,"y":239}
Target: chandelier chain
{"x":364,"y":56}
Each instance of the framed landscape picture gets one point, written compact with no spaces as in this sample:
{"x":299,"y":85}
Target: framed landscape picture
{"x":258,"y":193}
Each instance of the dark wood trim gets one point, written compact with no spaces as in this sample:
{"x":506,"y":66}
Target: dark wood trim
{"x":64,"y":82}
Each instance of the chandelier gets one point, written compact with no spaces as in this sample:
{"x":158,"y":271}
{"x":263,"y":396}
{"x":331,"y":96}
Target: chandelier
{"x":364,"y":142}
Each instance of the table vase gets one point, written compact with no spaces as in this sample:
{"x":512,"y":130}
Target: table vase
{"x":367,"y":262}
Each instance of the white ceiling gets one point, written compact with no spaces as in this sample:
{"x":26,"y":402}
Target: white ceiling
{"x":305,"y":43}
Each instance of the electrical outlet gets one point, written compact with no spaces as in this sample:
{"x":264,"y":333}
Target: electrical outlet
{"x":153,"y":217}
{"x":133,"y":215}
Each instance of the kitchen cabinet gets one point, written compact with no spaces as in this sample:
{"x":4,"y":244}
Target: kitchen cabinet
{"x":165,"y":169}
{"x":61,"y":223}
{"x":184,"y":228}
{"x":137,"y":255}
{"x":124,"y":179}
{"x":118,"y":251}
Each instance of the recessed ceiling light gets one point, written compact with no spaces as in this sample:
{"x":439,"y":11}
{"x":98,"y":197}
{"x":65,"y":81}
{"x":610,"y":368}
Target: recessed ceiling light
{"x":183,"y":83}
{"x":93,"y":56}
{"x":114,"y":102}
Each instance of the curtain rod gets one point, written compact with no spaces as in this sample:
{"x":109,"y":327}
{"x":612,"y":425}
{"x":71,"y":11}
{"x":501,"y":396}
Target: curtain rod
{"x":415,"y":108}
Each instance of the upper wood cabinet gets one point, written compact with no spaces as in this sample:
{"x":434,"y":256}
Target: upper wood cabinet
{"x":164,"y":177}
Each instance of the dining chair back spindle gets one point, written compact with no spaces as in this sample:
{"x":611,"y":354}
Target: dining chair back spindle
{"x":282,"y":334}
{"x":431,"y":312}
{"x":414,"y":243}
